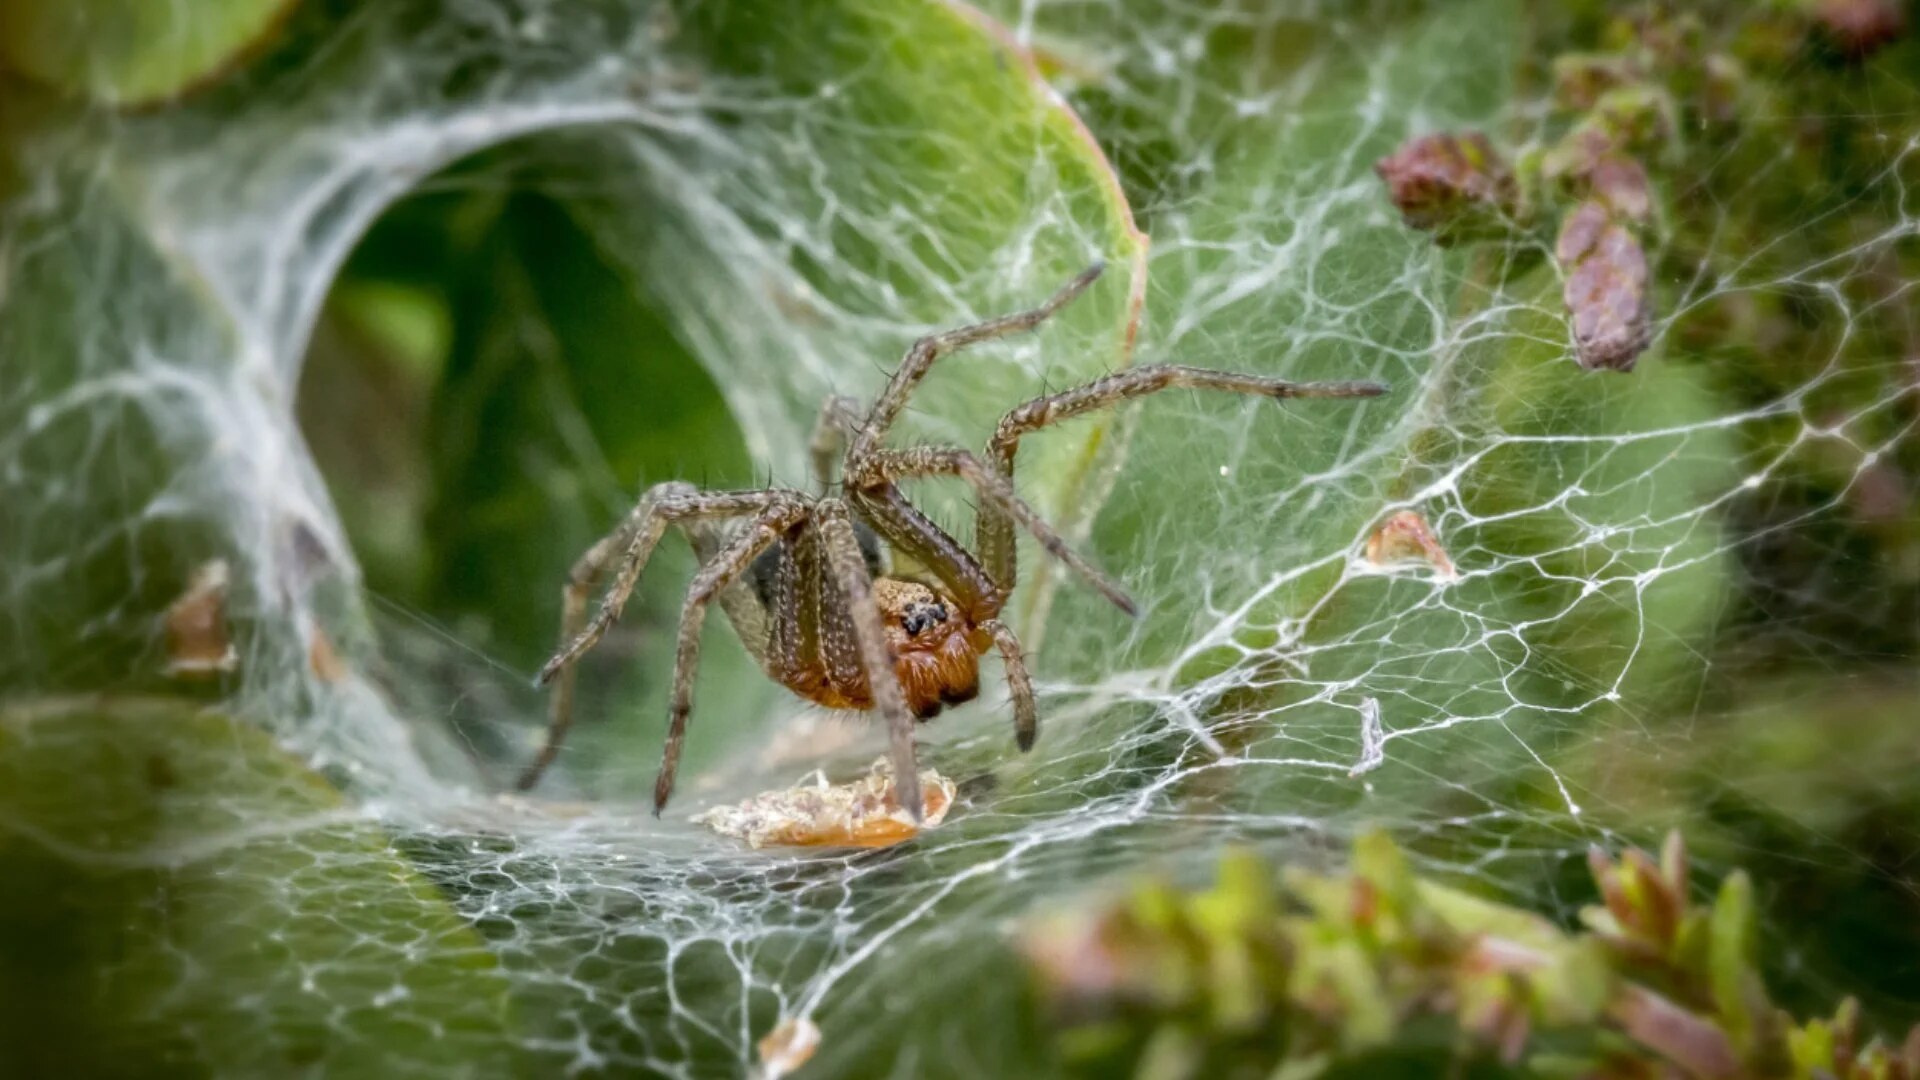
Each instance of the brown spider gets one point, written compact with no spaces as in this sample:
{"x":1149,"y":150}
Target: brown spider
{"x":804,"y":581}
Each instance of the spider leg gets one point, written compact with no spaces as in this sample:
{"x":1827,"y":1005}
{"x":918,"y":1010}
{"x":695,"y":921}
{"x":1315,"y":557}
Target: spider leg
{"x":907,"y":530}
{"x":994,"y":530}
{"x":839,"y":418}
{"x":883,"y":467}
{"x":648,"y":523}
{"x":849,"y":570}
{"x":581,"y":581}
{"x":715,"y":576}
{"x":1026,"y":719}
{"x":924,"y":352}
{"x":630,"y":544}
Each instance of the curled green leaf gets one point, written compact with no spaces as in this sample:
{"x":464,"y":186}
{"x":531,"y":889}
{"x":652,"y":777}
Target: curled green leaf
{"x":130,"y":52}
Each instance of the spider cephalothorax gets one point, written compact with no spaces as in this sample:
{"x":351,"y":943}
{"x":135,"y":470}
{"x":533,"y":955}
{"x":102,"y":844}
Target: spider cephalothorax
{"x":935,"y":652}
{"x":804,"y":578}
{"x":936,"y":649}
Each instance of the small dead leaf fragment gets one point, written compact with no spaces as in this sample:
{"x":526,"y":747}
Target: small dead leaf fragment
{"x":787,"y":1047}
{"x":1606,"y":288}
{"x":198,"y":646}
{"x":323,"y":658}
{"x":1454,"y":186}
{"x":1407,"y":536}
{"x":860,"y":813}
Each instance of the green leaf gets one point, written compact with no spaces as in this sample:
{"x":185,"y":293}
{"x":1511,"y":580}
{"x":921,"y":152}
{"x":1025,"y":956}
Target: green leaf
{"x":130,"y":52}
{"x":182,"y":898}
{"x":1733,"y":938}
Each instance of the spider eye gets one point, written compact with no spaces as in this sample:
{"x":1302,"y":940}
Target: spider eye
{"x":922,"y":616}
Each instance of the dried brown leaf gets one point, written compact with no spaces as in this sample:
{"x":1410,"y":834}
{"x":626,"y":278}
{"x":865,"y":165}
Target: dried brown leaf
{"x":1406,"y":535}
{"x":860,"y":813}
{"x":198,"y":645}
{"x":787,"y":1047}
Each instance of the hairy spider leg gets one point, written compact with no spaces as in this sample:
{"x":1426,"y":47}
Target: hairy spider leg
{"x":924,"y":352}
{"x":884,"y":467}
{"x":713,"y":578}
{"x":849,"y":568}
{"x":887,"y":512}
{"x":912,"y":533}
{"x":658,"y":509}
{"x":581,"y":581}
{"x":839,"y":419}
{"x":993,"y":526}
{"x":1026,"y":716}
{"x":631,"y":544}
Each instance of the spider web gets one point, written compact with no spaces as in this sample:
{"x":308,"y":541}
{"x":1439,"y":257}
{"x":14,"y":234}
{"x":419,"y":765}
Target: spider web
{"x":165,"y":271}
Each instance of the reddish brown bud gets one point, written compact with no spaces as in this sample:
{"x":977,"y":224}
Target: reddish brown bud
{"x":1621,"y":183}
{"x":1860,"y":28}
{"x":1454,"y":186}
{"x":1590,"y":163}
{"x":1606,"y":288}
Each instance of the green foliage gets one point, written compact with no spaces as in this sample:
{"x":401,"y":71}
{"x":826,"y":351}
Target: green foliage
{"x":394,"y":311}
{"x":1331,"y":971}
{"x":132,"y":53}
{"x":182,"y":898}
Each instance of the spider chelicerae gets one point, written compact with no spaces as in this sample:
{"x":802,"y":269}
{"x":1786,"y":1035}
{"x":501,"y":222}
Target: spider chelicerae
{"x":804,"y":578}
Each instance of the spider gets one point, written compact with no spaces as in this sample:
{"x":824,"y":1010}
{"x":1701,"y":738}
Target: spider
{"x":804,"y":578}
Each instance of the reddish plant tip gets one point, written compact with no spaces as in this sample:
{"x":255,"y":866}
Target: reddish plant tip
{"x":1606,"y":289}
{"x":1451,"y":185}
{"x":1621,"y":183}
{"x":1860,"y":28}
{"x":1591,"y":164}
